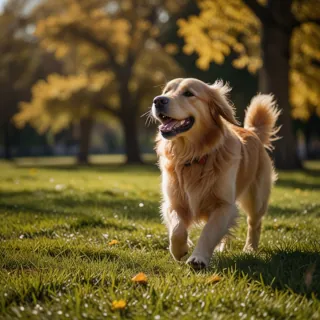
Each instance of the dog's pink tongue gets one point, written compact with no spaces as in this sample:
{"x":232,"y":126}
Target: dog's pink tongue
{"x":168,"y":125}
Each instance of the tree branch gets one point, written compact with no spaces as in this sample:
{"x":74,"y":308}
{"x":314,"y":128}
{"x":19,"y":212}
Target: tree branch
{"x":152,"y":18}
{"x":103,"y":45}
{"x":262,"y":13}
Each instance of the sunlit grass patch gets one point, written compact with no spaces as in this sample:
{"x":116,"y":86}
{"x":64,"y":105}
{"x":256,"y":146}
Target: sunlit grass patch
{"x":72,"y":240}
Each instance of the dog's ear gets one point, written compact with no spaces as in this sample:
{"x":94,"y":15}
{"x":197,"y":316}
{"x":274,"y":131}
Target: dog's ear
{"x":219,"y":102}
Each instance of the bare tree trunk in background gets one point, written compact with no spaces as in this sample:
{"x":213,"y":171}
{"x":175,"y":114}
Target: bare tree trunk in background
{"x":277,"y":22}
{"x":7,"y":141}
{"x":128,"y":118}
{"x":86,"y":125}
{"x":274,"y":78}
{"x":130,"y":129}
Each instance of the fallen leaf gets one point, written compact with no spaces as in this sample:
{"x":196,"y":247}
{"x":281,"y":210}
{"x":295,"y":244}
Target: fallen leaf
{"x":140,"y":278}
{"x":214,"y":278}
{"x":118,"y":304}
{"x":113,"y":242}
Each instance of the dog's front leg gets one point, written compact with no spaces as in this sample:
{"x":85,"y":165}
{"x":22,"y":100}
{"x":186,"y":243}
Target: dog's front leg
{"x":178,"y":234}
{"x":215,"y":229}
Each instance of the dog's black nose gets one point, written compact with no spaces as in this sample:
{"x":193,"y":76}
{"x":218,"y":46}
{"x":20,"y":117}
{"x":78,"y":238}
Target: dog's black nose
{"x":160,"y":101}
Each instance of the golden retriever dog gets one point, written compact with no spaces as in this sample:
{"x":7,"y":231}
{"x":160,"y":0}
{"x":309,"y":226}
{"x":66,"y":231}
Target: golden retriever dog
{"x":209,"y":164}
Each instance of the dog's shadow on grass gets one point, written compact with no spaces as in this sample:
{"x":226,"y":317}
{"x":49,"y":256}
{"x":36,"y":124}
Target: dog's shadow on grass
{"x":298,"y":271}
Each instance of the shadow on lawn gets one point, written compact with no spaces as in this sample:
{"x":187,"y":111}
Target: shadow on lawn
{"x":105,"y":168}
{"x":276,"y":211}
{"x":312,"y":172}
{"x":290,"y":180}
{"x":298,"y":271}
{"x":105,"y":203}
{"x":296,"y":184}
{"x":280,"y":211}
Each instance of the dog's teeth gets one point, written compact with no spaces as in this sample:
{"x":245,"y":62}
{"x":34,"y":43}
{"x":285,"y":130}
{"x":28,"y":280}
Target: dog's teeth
{"x":182,"y":122}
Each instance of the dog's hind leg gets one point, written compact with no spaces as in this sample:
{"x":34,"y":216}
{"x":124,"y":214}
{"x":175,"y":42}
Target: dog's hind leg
{"x":255,"y":203}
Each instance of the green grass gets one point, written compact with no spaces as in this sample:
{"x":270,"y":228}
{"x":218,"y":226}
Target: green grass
{"x":57,"y":221}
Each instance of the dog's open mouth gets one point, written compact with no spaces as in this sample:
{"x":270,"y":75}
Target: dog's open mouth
{"x":171,"y":127}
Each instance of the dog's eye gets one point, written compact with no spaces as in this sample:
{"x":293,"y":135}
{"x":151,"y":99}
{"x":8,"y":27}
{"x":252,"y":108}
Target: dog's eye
{"x":188,"y":94}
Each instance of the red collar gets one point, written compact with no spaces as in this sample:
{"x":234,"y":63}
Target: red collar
{"x":202,"y":160}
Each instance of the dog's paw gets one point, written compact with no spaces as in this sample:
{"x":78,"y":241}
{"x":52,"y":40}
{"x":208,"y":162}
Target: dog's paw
{"x":198,"y":262}
{"x":179,"y":245}
{"x":178,"y":252}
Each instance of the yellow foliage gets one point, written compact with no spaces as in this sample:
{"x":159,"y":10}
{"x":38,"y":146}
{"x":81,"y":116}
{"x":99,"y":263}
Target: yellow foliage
{"x":59,"y":30}
{"x":154,"y":32}
{"x":222,"y":26}
{"x":241,"y":62}
{"x":171,"y":48}
{"x":118,"y":37}
{"x":304,"y":75}
{"x":63,"y":99}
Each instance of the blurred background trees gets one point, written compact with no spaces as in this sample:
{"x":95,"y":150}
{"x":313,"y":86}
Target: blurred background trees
{"x":89,"y":35}
{"x":86,"y":70}
{"x":16,"y":68}
{"x":22,"y":62}
{"x":279,"y":38}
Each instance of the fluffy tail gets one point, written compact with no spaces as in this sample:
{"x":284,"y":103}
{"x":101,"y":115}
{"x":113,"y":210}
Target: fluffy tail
{"x":261,"y":117}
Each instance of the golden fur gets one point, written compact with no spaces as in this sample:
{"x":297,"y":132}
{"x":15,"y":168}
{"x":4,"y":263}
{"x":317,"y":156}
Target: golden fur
{"x":237,"y":169}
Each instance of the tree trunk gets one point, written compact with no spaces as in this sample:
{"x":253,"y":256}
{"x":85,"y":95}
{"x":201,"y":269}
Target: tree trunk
{"x":128,"y":117}
{"x":86,"y":125}
{"x":307,"y":136}
{"x":274,"y":78}
{"x":7,"y":141}
{"x":130,"y":129}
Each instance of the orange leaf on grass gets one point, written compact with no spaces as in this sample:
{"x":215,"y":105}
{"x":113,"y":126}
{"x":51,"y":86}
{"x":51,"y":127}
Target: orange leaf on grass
{"x":214,"y":279}
{"x":113,"y":242}
{"x":140,"y":278}
{"x":118,"y":304}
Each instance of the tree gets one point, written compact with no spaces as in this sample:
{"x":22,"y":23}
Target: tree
{"x":16,"y":67}
{"x":281,"y":38}
{"x":118,"y":37}
{"x":61,"y":100}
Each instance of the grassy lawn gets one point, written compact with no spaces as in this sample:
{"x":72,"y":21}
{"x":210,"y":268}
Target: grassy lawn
{"x":58,"y":260}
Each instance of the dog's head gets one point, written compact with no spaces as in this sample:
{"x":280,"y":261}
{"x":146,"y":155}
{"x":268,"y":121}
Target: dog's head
{"x":188,"y":107}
